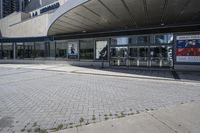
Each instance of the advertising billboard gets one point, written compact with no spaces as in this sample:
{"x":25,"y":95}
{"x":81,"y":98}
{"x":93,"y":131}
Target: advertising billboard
{"x":72,"y":50}
{"x":101,"y":49}
{"x":188,"y":49}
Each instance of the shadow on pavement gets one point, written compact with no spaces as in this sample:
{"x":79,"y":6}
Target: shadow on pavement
{"x":154,"y":72}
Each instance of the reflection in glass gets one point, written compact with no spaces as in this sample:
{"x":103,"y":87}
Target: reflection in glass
{"x":40,"y":49}
{"x":143,"y":56}
{"x":133,"y":40}
{"x":87,"y":49}
{"x":133,"y":52}
{"x":8,"y":50}
{"x":155,"y":56}
{"x":143,"y":52}
{"x":1,"y":51}
{"x":119,"y":56}
{"x":119,"y":52}
{"x":164,"y":39}
{"x":155,"y":51}
{"x":19,"y":50}
{"x":120,"y":41}
{"x":29,"y":50}
{"x":61,"y":49}
{"x":52,"y":52}
{"x":143,"y":39}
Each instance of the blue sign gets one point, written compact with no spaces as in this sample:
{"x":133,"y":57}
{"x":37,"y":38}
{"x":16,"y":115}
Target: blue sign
{"x":188,"y":44}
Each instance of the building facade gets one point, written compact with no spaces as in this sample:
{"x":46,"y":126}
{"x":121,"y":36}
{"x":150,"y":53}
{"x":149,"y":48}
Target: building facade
{"x":122,"y":33}
{"x":23,"y":4}
{"x":8,"y":7}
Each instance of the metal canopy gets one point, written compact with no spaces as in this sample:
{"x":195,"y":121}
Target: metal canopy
{"x":78,"y":16}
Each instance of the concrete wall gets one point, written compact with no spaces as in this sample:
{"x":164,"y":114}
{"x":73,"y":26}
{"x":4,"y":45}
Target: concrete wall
{"x":21,"y":25}
{"x":62,"y":1}
{"x":187,"y":67}
{"x":9,"y":20}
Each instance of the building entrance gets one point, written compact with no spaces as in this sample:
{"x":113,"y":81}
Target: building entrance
{"x":142,"y":56}
{"x":119,"y":56}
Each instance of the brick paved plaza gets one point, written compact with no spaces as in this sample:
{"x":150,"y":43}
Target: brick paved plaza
{"x":32,"y":99}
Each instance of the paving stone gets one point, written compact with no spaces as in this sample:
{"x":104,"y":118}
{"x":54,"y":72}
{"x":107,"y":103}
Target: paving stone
{"x":46,"y":97}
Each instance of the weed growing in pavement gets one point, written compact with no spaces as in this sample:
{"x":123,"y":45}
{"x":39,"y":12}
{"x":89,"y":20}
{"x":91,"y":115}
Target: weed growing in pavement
{"x":22,"y":130}
{"x":93,"y":118}
{"x":34,"y":124}
{"x":81,"y":120}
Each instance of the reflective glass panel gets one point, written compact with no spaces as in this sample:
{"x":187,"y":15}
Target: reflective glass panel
{"x":29,"y":51}
{"x":61,"y":49}
{"x":7,"y":50}
{"x":164,"y":39}
{"x":87,"y":49}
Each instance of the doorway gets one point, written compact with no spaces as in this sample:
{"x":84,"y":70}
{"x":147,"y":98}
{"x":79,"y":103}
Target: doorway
{"x":142,"y":56}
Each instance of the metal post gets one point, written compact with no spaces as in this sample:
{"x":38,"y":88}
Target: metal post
{"x":102,"y":63}
{"x":14,"y":51}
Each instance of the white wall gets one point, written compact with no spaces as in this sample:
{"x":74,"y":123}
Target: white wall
{"x":9,"y":20}
{"x":62,"y":2}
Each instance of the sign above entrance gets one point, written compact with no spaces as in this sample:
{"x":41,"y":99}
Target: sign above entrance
{"x":188,"y":49}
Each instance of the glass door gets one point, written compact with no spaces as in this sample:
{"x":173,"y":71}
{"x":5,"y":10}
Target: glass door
{"x":133,"y":56}
{"x":143,"y":56}
{"x":119,"y":56}
{"x":155,"y":54}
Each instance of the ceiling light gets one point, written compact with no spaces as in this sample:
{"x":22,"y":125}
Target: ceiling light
{"x":162,"y":24}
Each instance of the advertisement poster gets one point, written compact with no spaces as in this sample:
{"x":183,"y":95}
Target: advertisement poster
{"x":73,"y":50}
{"x":188,"y":49}
{"x":101,"y":49}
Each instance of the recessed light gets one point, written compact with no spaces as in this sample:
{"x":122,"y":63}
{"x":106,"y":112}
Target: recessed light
{"x":162,"y":24}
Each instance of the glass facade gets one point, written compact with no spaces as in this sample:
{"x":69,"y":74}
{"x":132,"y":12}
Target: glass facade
{"x":29,"y":50}
{"x":1,"y":51}
{"x":61,"y":49}
{"x":142,"y":50}
{"x":155,"y":50}
{"x":52,"y":50}
{"x":40,"y":50}
{"x":164,"y":39}
{"x":7,"y":50}
{"x":19,"y":47}
{"x":87,"y":49}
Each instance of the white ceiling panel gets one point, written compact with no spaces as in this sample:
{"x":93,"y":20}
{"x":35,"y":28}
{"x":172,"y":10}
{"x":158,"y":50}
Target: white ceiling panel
{"x":101,"y":15}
